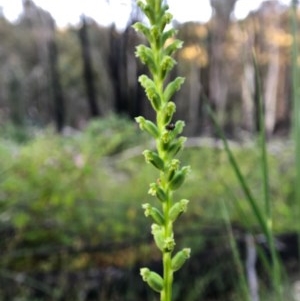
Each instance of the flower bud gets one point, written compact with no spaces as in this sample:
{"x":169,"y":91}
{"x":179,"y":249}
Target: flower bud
{"x":166,"y":19}
{"x":167,"y":65}
{"x":176,"y":146}
{"x":165,"y":137}
{"x":179,"y":125}
{"x":173,"y":167}
{"x":154,"y":280}
{"x":169,"y":111}
{"x":154,"y":159}
{"x":168,"y":34}
{"x":148,"y":10}
{"x":151,"y":91}
{"x":169,"y":244}
{"x":180,"y":258}
{"x":177,"y":209}
{"x":173,"y":87}
{"x":179,"y":177}
{"x":141,"y":4}
{"x":158,"y":236}
{"x":161,"y":195}
{"x":152,"y":189}
{"x":156,"y":190}
{"x":148,"y":126}
{"x":146,"y":56}
{"x":154,"y":213}
{"x":141,"y":27}
{"x":173,"y":46}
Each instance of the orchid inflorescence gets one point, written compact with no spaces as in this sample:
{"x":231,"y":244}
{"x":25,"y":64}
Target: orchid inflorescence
{"x":169,"y":142}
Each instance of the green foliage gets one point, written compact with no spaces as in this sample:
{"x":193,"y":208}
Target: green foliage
{"x":15,"y":133}
{"x":60,"y":192}
{"x":51,"y":191}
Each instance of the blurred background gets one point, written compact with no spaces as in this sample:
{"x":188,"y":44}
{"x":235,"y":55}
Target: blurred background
{"x":72,"y":178}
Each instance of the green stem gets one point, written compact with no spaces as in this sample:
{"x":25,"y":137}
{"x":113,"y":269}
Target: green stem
{"x":166,"y":294}
{"x":276,"y":273}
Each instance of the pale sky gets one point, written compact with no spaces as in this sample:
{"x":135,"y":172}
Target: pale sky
{"x":68,"y":11}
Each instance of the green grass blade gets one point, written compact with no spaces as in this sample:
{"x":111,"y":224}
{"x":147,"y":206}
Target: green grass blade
{"x":250,"y":198}
{"x":263,"y":217}
{"x":263,"y":145}
{"x":296,"y":108}
{"x":236,"y":255}
{"x":276,"y":271}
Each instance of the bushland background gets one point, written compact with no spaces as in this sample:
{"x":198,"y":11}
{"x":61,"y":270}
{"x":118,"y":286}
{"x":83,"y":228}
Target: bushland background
{"x":72,"y":179}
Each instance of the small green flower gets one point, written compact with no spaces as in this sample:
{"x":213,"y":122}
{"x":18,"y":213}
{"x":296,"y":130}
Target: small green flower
{"x":153,"y":279}
{"x":158,"y":235}
{"x":151,"y":91}
{"x":154,"y":213}
{"x":168,"y":112}
{"x":176,"y":146}
{"x":158,"y":191}
{"x":179,"y":177}
{"x":173,"y":47}
{"x":169,"y":244}
{"x":180,"y":258}
{"x":154,"y":159}
{"x":148,"y":126}
{"x":146,"y":56}
{"x":172,"y":88}
{"x":172,"y":168}
{"x":177,"y":209}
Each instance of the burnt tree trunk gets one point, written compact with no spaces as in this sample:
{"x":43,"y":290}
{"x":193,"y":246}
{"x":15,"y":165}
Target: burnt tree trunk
{"x":249,"y":85}
{"x":57,"y":94}
{"x":88,"y":74}
{"x":133,"y":92}
{"x":17,"y":114}
{"x":272,"y":76}
{"x":219,"y":81}
{"x":117,"y":63}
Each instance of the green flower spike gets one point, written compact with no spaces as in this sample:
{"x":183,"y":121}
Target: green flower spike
{"x":157,"y":56}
